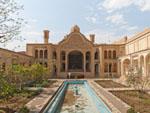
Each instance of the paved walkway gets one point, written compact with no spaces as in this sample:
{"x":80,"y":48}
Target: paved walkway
{"x":39,"y":102}
{"x":119,"y":89}
{"x":115,"y":104}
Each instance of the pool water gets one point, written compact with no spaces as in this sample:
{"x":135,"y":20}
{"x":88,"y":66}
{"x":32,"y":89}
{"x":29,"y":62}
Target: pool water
{"x":77,"y":100}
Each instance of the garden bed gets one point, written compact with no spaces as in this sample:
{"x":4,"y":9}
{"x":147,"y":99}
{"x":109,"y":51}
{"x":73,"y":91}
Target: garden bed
{"x":109,"y":84}
{"x":20,"y":98}
{"x":139,"y":101}
{"x":44,"y":83}
{"x":17,"y":101}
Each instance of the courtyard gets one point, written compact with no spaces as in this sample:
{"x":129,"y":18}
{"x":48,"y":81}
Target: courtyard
{"x":36,"y":98}
{"x":63,"y":56}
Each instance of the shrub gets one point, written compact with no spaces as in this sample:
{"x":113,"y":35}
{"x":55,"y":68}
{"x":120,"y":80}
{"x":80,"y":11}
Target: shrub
{"x":24,"y":109}
{"x":131,"y":110}
{"x":2,"y":111}
{"x":35,"y":93}
{"x":45,"y":83}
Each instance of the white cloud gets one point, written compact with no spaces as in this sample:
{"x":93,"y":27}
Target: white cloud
{"x":113,"y":5}
{"x":144,"y":5}
{"x":103,"y":36}
{"x":117,"y":19}
{"x":91,"y":19}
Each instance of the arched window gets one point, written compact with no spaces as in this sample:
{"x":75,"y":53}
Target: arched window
{"x":36,"y":53}
{"x":41,"y":53}
{"x":105,"y":67}
{"x":45,"y":54}
{"x":114,"y":54}
{"x":109,"y":54}
{"x":63,"y":55}
{"x":96,"y":55}
{"x":105,"y":54}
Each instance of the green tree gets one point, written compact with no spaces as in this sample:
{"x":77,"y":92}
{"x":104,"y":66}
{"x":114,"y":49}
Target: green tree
{"x":38,"y":72}
{"x":6,"y":89}
{"x":21,"y":74}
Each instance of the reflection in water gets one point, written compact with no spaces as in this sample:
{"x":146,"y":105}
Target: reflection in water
{"x":77,"y":100}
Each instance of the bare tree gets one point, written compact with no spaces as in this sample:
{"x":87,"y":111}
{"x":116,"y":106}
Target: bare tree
{"x":10,"y":22}
{"x":135,"y":79}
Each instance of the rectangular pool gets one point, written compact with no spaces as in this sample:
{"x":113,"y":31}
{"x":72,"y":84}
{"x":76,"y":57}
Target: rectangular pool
{"x":76,"y":97}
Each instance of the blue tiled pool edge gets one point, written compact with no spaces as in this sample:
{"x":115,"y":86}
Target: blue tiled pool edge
{"x":55,"y":104}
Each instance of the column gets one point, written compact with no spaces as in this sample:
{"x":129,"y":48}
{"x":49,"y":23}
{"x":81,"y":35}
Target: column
{"x":139,"y":62}
{"x":58,"y":62}
{"x":84,"y":62}
{"x":145,"y":67}
{"x":66,"y":62}
{"x":43,"y":53}
{"x":122,"y":70}
{"x":38,"y":53}
{"x":92,"y":63}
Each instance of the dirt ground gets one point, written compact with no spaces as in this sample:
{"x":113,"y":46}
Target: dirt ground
{"x":139,"y":101}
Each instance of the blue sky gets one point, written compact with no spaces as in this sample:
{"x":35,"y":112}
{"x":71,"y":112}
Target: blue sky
{"x":108,"y":19}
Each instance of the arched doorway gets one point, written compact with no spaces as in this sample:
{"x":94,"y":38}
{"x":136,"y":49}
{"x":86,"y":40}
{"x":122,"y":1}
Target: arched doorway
{"x":88,"y":61}
{"x":75,"y":61}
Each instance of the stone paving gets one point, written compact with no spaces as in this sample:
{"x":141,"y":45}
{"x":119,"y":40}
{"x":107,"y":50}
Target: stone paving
{"x":114,"y":103}
{"x":39,"y":102}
